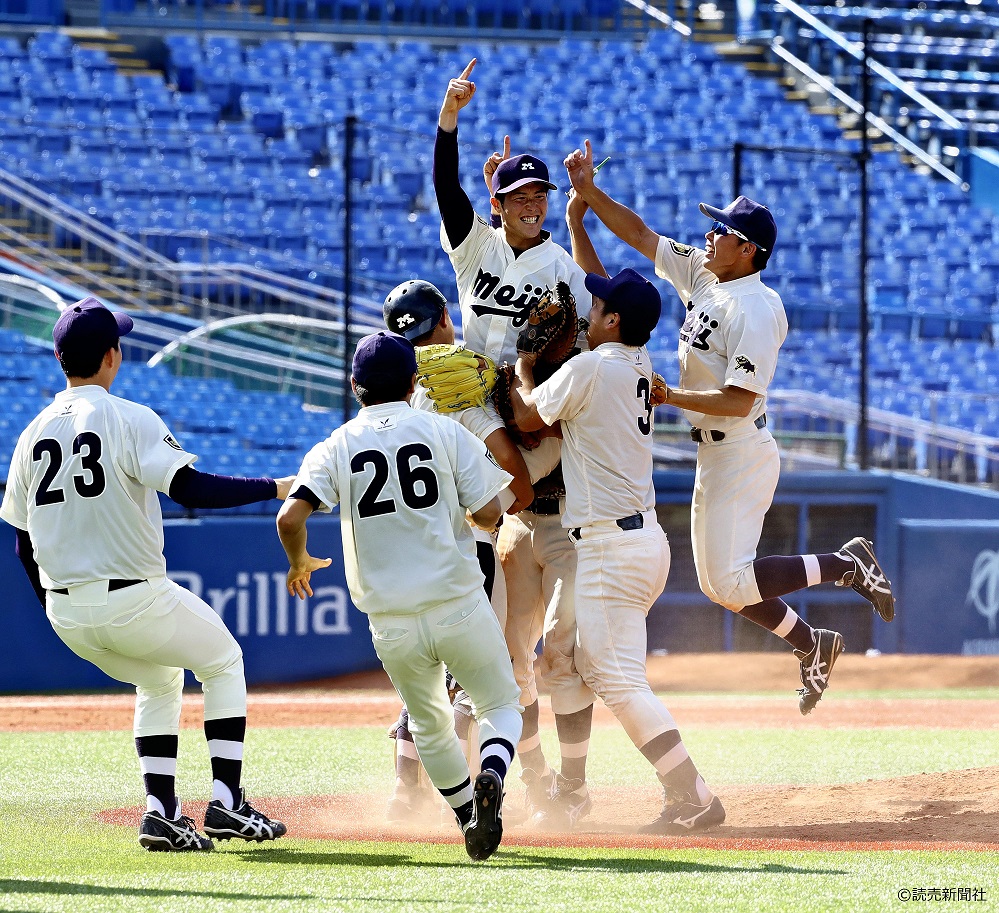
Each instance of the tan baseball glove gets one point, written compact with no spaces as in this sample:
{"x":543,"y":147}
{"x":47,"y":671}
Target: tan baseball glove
{"x":455,"y":378}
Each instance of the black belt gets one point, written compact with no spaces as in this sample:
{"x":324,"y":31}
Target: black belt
{"x":635,"y":521}
{"x":112,"y":585}
{"x":702,"y":436}
{"x":544,"y":507}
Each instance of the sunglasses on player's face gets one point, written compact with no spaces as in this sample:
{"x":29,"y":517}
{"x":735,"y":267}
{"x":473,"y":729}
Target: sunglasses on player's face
{"x":720,"y":228}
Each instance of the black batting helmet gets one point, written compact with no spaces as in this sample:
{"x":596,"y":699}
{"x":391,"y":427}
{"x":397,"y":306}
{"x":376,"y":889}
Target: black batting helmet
{"x":413,"y":308}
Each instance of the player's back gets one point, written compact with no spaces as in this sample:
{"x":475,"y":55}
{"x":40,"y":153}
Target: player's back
{"x":607,"y":454}
{"x":86,"y":498}
{"x":411,"y":477}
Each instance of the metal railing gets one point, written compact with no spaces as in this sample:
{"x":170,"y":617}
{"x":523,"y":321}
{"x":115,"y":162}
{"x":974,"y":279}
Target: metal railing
{"x":133,"y":275}
{"x":929,"y":110}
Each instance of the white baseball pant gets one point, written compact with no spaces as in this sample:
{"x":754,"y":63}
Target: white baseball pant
{"x":619,"y":575}
{"x":733,"y":489}
{"x":147,"y":635}
{"x":464,"y":635}
{"x":539,"y":563}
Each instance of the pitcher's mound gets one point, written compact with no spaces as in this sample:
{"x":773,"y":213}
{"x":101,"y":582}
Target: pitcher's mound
{"x":944,"y":811}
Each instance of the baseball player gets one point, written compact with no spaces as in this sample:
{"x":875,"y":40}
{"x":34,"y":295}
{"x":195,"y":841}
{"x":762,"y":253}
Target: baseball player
{"x":81,"y":494}
{"x":418,"y":310}
{"x":404,"y":480}
{"x":602,"y":399}
{"x":500,"y":272}
{"x":728,"y":349}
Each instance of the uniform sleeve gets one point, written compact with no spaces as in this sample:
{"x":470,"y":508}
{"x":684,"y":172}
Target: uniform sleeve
{"x":683,"y":266}
{"x":477,"y":477}
{"x":480,"y":420}
{"x":753,"y":339}
{"x":154,"y":455}
{"x":14,"y":509}
{"x":468,"y":250}
{"x":319,"y":475}
{"x":567,"y":391}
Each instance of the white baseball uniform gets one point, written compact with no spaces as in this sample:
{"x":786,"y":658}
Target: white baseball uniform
{"x":83,"y":483}
{"x":404,"y":479}
{"x":481,"y":421}
{"x":496,"y":288}
{"x":732,"y":334}
{"x":602,"y":399}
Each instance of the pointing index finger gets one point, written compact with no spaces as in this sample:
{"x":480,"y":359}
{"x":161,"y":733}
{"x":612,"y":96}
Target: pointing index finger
{"x":467,"y":71}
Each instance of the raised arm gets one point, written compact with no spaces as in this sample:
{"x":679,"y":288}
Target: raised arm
{"x":625,"y":223}
{"x":456,"y":209}
{"x":583,"y":251}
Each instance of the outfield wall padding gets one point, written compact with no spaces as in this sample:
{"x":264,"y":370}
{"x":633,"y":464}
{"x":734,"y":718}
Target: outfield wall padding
{"x":938,"y":542}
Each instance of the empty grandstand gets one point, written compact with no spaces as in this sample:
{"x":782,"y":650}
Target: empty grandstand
{"x":214,"y":180}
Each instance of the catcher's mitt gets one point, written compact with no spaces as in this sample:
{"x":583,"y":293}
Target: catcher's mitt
{"x":660,"y":392}
{"x":455,"y":377}
{"x":551,"y":327}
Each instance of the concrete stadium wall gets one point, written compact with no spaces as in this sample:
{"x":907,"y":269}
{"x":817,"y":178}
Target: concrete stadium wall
{"x":938,"y":542}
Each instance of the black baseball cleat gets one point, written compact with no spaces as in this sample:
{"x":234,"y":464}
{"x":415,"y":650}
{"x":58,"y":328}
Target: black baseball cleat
{"x":485,"y":831}
{"x":867,"y":578}
{"x":683,"y":814}
{"x":540,"y":790}
{"x":570,"y":804}
{"x":243,"y":822}
{"x":816,"y":667}
{"x":159,"y":834}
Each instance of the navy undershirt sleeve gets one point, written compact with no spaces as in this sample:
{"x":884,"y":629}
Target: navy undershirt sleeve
{"x":191,"y":488}
{"x":25,"y":550}
{"x":308,"y":495}
{"x":456,"y":209}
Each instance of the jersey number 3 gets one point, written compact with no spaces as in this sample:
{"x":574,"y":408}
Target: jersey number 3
{"x":645,"y":394}
{"x":410,"y":477}
{"x":88,"y":484}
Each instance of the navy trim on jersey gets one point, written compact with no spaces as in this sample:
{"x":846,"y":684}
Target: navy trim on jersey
{"x":302,"y":493}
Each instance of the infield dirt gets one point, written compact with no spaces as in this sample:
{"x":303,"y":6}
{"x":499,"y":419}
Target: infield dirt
{"x":944,"y":811}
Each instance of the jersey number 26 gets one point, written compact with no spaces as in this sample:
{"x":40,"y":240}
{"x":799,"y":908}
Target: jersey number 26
{"x":410,"y":477}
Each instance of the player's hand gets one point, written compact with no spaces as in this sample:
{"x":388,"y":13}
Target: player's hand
{"x":284,"y":486}
{"x":530,"y":440}
{"x":493,"y":162}
{"x":579,"y":165}
{"x":575,"y":209}
{"x":459,"y":93}
{"x":299,"y":575}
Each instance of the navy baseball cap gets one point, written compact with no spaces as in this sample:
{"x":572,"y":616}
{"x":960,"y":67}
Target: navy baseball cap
{"x":629,"y":292}
{"x":383,"y":358}
{"x":753,"y":219}
{"x":520,"y":170}
{"x":89,"y":327}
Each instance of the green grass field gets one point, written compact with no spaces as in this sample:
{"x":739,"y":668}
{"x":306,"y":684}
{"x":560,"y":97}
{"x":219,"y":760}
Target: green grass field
{"x":54,"y":856}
